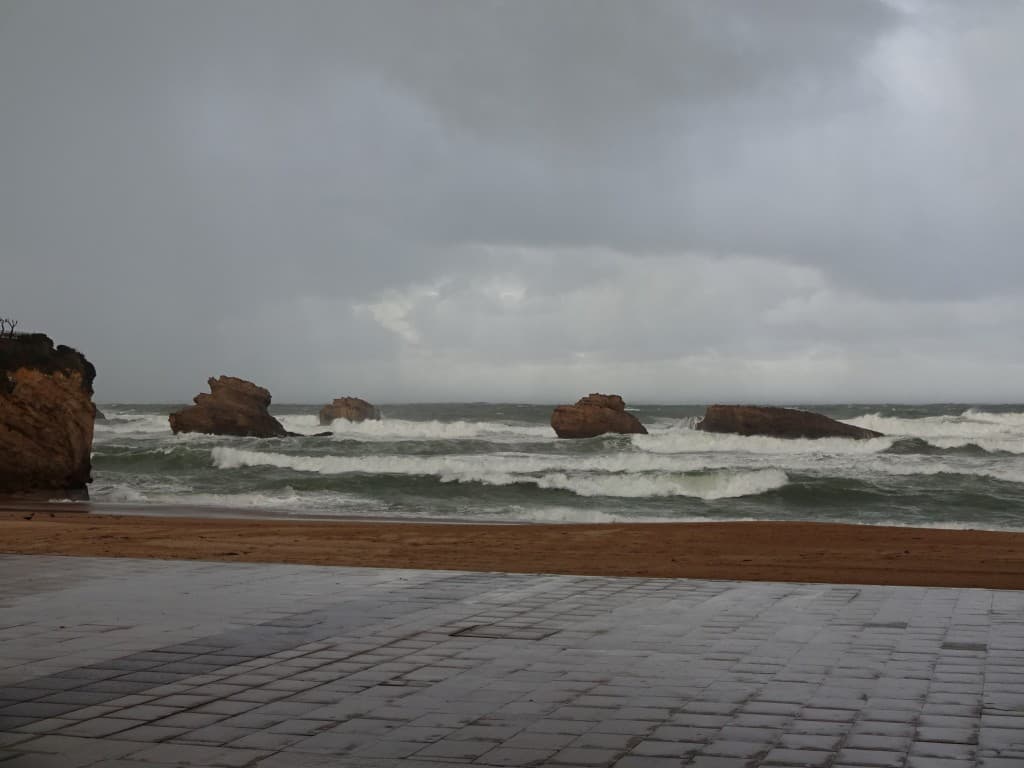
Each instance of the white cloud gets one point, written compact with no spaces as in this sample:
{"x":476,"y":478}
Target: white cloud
{"x":393,"y":309}
{"x":692,"y":327}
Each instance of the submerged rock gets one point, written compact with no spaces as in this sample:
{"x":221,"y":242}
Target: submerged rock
{"x":99,"y":415}
{"x":351,"y":408}
{"x":788,"y":423}
{"x":46,"y":417}
{"x":233,"y":407}
{"x":594,"y":415}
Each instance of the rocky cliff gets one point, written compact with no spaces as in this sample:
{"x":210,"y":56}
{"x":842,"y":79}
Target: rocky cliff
{"x":778,"y":422}
{"x":233,"y":407}
{"x":46,"y":417}
{"x":595,"y":415}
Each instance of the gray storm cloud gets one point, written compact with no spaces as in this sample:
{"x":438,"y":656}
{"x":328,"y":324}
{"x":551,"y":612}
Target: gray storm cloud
{"x":685,"y":201}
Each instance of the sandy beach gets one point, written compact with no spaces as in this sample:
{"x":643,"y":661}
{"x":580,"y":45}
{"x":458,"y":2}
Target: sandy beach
{"x":758,"y":551}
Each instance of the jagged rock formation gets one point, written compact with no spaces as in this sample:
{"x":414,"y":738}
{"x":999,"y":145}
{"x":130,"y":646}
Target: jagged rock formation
{"x":46,"y":417}
{"x":595,"y":415}
{"x":233,"y":407}
{"x":787,"y":423}
{"x":351,"y":408}
{"x":100,"y":416}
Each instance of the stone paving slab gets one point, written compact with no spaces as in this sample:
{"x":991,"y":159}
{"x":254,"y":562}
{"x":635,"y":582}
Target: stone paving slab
{"x":116,"y":662}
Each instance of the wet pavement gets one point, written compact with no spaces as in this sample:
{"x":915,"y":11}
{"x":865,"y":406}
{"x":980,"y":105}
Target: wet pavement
{"x":117,"y":662}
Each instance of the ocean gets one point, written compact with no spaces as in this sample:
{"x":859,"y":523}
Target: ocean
{"x":946,"y":466}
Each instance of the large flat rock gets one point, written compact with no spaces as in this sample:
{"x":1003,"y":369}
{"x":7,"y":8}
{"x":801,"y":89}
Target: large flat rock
{"x":787,"y":423}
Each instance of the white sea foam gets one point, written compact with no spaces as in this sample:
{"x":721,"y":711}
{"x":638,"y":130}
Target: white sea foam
{"x":695,"y":441}
{"x":621,"y":475}
{"x":929,"y":466}
{"x":950,"y":525}
{"x":124,"y":423}
{"x":587,"y":514}
{"x":285,"y":499}
{"x":326,"y":504}
{"x":552,"y":514}
{"x":302,"y":423}
{"x":725,"y":484}
{"x":990,"y":431}
{"x":1010,"y":418}
{"x":992,"y":445}
{"x":227,"y":457}
{"x":402,"y":429}
{"x":132,"y":423}
{"x":118,"y":494}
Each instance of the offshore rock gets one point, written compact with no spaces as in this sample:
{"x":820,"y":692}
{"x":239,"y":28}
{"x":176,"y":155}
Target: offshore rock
{"x":615,"y":402}
{"x":46,"y":417}
{"x":788,"y":423}
{"x":233,"y":407}
{"x":595,"y":415}
{"x":351,"y":408}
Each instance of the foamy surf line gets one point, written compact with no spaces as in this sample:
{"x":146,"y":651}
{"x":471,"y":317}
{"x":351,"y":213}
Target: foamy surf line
{"x":682,"y":441}
{"x":127,"y":424}
{"x":402,"y":429}
{"x":186,"y":508}
{"x":707,"y":486}
{"x":993,"y":432}
{"x":268,"y":507}
{"x":618,"y":475}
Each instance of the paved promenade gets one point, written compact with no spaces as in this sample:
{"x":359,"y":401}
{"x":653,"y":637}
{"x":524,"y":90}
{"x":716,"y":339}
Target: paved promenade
{"x":133,"y":663}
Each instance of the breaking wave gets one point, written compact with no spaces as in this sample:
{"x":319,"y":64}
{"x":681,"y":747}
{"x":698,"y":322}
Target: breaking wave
{"x":401,"y":429}
{"x":280,"y":500}
{"x":693,"y":441}
{"x":719,"y":484}
{"x":992,"y":432}
{"x":927,"y":467}
{"x":227,"y":457}
{"x":617,"y":475}
{"x":132,"y":424}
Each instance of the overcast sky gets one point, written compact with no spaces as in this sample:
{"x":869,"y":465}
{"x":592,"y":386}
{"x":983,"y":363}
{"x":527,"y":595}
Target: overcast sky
{"x":685,"y":201}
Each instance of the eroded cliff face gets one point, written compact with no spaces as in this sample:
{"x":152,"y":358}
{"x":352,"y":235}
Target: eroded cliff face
{"x":46,"y":418}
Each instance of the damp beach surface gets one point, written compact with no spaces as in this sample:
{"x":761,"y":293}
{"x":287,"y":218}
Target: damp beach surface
{"x":758,"y":551}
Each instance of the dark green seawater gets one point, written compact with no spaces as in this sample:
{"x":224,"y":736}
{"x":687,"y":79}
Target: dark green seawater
{"x":956,"y":466}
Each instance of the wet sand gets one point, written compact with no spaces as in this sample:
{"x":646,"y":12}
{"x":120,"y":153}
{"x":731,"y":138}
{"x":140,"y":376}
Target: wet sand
{"x":757,"y":551}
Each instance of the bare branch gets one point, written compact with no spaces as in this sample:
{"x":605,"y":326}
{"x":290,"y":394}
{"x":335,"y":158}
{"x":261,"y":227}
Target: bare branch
{"x":7,"y":326}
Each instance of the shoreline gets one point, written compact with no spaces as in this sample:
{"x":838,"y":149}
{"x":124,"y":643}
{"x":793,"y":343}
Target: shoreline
{"x":215,"y":511}
{"x":745,"y":551}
